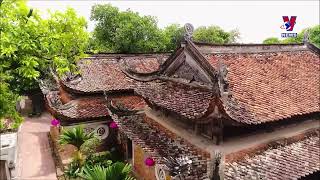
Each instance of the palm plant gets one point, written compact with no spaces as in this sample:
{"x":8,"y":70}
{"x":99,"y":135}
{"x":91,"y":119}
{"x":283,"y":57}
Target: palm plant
{"x":76,"y":137}
{"x":96,"y":173}
{"x":119,"y":171}
{"x":116,"y":171}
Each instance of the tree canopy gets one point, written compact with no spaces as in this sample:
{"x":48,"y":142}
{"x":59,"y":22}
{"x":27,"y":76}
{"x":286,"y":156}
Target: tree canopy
{"x":125,"y":31}
{"x":272,"y":40}
{"x":214,"y":34}
{"x":30,"y":46}
{"x":129,"y":32}
{"x":314,"y":37}
{"x":172,"y":36}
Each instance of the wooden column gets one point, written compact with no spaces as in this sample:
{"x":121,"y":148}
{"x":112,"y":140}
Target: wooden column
{"x":196,"y":128}
{"x":217,"y":130}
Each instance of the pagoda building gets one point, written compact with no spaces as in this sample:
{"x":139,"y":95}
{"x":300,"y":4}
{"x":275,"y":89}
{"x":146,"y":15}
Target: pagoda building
{"x":206,"y":111}
{"x":80,"y":99}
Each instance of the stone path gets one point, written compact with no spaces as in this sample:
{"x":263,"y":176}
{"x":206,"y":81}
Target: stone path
{"x":35,"y":161}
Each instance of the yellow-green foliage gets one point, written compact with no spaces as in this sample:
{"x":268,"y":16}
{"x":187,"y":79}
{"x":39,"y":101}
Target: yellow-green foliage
{"x":31,"y":45}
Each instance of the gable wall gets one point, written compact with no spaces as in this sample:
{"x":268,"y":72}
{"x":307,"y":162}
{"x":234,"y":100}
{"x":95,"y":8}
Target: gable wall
{"x":186,"y":67}
{"x":200,"y":73}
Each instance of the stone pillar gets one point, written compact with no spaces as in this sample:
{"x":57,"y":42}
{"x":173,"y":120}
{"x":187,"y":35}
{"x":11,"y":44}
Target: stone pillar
{"x":54,"y":132}
{"x":24,"y":106}
{"x":216,"y":166}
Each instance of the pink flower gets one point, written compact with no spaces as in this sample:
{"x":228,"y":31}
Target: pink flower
{"x":149,"y":162}
{"x":55,"y":122}
{"x":113,"y":125}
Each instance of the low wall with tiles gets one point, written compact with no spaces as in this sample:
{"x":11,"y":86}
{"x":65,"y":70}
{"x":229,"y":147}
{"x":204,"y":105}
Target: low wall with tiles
{"x":143,"y":171}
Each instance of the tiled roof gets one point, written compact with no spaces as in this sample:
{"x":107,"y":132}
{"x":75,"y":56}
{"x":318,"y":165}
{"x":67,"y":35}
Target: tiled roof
{"x":78,"y":109}
{"x":269,"y":86}
{"x":286,"y":162}
{"x":189,"y":102}
{"x":145,"y":65}
{"x":129,"y":102}
{"x":159,"y":144}
{"x":104,"y":72}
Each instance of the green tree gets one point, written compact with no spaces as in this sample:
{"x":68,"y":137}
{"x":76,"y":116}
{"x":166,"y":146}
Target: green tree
{"x":7,"y":108}
{"x":30,"y":46}
{"x":129,"y":32}
{"x":214,"y":34}
{"x":172,"y":36}
{"x":125,"y":32}
{"x":272,"y":40}
{"x":314,"y":36}
{"x":292,"y":40}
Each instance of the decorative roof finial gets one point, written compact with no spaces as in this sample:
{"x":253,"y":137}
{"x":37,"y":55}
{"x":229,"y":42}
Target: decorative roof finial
{"x":188,"y":31}
{"x":306,"y":36}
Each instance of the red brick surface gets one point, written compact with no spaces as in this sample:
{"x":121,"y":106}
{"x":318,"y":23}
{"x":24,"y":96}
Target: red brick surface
{"x":35,"y":161}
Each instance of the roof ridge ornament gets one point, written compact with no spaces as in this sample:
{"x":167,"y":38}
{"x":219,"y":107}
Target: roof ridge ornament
{"x":188,"y":31}
{"x":306,"y":36}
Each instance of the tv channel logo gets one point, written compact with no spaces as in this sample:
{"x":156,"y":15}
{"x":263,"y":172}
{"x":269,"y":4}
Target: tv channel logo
{"x":288,"y":25}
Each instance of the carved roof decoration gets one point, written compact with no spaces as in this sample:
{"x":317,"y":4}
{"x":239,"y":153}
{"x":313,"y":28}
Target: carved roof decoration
{"x":188,"y":28}
{"x":48,"y":85}
{"x":189,"y":55}
{"x":286,"y":161}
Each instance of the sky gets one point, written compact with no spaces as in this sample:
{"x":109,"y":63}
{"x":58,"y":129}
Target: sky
{"x":255,"y":20}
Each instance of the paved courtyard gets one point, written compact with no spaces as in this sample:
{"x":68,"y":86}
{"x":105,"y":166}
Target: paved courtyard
{"x":35,"y":161}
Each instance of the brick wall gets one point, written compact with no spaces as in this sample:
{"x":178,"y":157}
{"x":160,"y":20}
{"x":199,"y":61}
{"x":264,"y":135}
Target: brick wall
{"x":144,"y":172}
